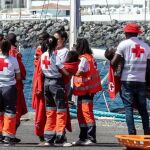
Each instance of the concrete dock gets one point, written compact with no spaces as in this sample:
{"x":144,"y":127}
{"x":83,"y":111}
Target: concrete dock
{"x":106,"y":131}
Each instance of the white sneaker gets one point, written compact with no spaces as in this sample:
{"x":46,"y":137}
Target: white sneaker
{"x":88,"y":142}
{"x":78,"y":143}
{"x":46,"y":144}
{"x":66,"y":144}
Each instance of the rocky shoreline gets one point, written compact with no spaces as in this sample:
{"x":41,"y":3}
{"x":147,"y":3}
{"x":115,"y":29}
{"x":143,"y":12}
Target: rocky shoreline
{"x":99,"y":34}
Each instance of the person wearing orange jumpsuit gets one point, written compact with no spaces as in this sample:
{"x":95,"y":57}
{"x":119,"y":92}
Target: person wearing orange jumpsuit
{"x":38,"y":101}
{"x":86,"y":83}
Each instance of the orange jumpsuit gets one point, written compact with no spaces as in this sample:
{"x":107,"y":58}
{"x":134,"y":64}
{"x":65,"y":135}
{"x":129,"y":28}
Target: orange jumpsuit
{"x":85,"y":86}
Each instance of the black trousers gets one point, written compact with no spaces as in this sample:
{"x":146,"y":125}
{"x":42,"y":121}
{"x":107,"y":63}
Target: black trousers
{"x":8,"y":97}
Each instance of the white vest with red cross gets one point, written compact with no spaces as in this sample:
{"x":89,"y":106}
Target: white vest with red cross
{"x":50,"y":65}
{"x":135,"y":53}
{"x":8,"y":67}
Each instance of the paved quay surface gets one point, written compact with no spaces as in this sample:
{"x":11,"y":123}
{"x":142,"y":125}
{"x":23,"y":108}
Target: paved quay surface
{"x":106,"y":130}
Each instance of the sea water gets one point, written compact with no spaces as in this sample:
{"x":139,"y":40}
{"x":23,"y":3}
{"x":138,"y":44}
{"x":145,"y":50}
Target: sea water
{"x":100,"y":98}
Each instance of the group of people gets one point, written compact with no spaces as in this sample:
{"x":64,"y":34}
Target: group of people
{"x":54,"y":67}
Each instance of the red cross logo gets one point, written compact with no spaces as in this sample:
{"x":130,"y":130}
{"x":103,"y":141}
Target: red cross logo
{"x":137,"y":50}
{"x":111,"y":87}
{"x":2,"y":64}
{"x":46,"y":62}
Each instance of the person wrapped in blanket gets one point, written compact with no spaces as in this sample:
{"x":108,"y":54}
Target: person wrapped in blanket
{"x":38,"y":101}
{"x":21,"y":107}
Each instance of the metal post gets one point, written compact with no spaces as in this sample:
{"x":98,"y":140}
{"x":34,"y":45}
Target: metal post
{"x":28,"y":5}
{"x":145,"y":11}
{"x":74,"y":25}
{"x":18,"y":4}
{"x":73,"y":34}
{"x":149,"y":6}
{"x":73,"y":31}
{"x":2,"y":4}
{"x":78,"y":15}
{"x":19,"y":10}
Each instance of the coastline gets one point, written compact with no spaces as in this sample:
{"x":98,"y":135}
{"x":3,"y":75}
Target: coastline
{"x":99,"y":34}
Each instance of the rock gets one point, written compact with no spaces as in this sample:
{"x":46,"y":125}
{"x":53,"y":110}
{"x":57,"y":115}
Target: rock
{"x":36,"y":27}
{"x":114,"y":22}
{"x":12,"y":29}
{"x":99,"y":43}
{"x":49,"y":23}
{"x":98,"y":33}
{"x":118,"y":31}
{"x":66,"y":27}
{"x":110,"y":29}
{"x":110,"y":43}
{"x":87,"y":35}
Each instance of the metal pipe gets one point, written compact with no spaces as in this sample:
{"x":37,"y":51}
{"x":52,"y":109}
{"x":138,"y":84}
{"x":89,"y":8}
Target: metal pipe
{"x":73,"y":30}
{"x":28,"y":5}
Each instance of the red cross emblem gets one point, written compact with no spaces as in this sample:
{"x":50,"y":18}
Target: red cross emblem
{"x":137,"y":50}
{"x":2,"y":64}
{"x":46,"y":62}
{"x":111,"y":87}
